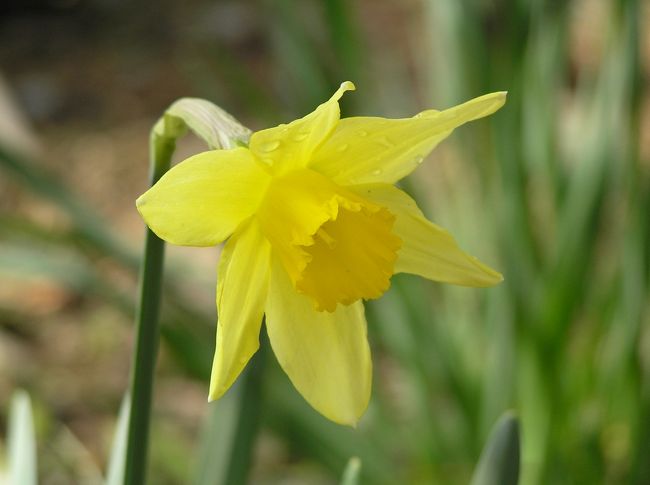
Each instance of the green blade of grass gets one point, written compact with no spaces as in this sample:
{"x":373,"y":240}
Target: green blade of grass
{"x":352,"y":472}
{"x":499,"y":462}
{"x":225,"y":454}
{"x":21,"y":441}
{"x":117,"y":458}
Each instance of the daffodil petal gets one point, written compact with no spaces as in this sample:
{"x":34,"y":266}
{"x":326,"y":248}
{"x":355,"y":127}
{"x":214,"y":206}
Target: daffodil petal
{"x":366,"y":150}
{"x":202,"y":200}
{"x":427,"y":249}
{"x":287,"y":147}
{"x":242,"y":287}
{"x":326,"y":355}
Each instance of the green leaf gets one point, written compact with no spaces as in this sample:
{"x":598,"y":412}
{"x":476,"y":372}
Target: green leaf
{"x":352,"y":472}
{"x":21,"y":441}
{"x":117,"y":460}
{"x":229,"y":434}
{"x":499,"y":462}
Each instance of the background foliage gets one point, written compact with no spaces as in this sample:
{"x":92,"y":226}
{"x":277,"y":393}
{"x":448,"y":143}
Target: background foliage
{"x":554,"y":190}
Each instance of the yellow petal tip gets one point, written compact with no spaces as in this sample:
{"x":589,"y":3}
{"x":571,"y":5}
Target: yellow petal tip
{"x":494,"y":277}
{"x":216,"y":390}
{"x":345,"y":86}
{"x":502,"y":96}
{"x":213,"y":395}
{"x":140,"y":202}
{"x":344,"y":420}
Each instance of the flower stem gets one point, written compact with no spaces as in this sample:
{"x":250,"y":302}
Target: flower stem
{"x":146,"y":343}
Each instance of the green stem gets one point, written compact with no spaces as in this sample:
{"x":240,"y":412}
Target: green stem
{"x":146,"y":344}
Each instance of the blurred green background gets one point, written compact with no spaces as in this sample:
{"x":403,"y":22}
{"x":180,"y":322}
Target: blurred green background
{"x":553,"y":190}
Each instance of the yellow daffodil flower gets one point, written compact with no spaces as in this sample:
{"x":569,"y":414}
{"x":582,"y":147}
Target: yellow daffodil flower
{"x":315,"y":227}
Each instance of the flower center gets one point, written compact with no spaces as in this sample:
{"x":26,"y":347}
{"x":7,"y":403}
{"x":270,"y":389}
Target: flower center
{"x":336,"y":246}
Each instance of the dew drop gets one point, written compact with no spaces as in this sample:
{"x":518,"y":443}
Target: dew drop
{"x":269,"y":146}
{"x":342,"y":147}
{"x":300,"y":136}
{"x":385,"y":142}
{"x":362,"y":133}
{"x":377,"y":171}
{"x":419,"y":159}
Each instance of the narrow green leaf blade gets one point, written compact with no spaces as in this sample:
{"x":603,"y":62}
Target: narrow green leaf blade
{"x":117,"y":460}
{"x":499,"y":462}
{"x":225,"y":455}
{"x":21,"y":441}
{"x":352,"y":472}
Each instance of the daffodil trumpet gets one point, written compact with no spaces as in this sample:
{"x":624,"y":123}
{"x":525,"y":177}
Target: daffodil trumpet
{"x":313,"y":226}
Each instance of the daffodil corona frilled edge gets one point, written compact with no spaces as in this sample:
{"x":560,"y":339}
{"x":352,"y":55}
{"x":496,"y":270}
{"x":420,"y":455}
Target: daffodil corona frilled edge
{"x":315,"y":226}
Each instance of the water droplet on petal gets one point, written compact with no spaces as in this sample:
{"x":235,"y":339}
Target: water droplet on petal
{"x":377,"y":171}
{"x":385,"y":142}
{"x":342,"y":148}
{"x":269,"y":146}
{"x":268,"y":161}
{"x":300,"y":136}
{"x":362,"y":133}
{"x":419,"y":159}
